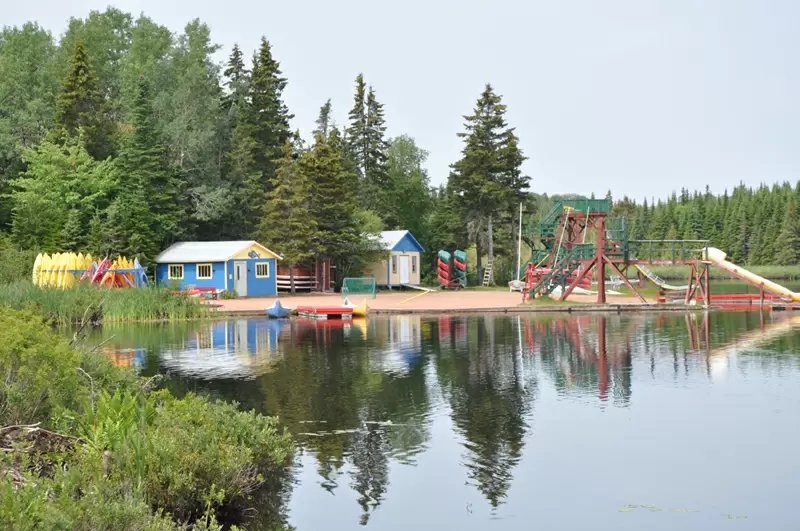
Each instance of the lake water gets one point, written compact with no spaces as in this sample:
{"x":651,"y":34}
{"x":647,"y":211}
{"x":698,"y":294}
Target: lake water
{"x":632,"y":422}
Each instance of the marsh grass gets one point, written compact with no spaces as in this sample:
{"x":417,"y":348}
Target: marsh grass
{"x":74,"y":305}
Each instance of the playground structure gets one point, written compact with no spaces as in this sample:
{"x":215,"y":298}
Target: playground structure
{"x":452,"y":271}
{"x":67,"y":270}
{"x":577,"y":239}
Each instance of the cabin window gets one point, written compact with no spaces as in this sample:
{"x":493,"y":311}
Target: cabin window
{"x":413,"y":264}
{"x":262,"y":270}
{"x":394,"y":264}
{"x":204,"y":272}
{"x":175,"y":272}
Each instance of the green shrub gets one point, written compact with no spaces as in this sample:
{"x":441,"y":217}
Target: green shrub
{"x":197,"y":447}
{"x":39,"y":371}
{"x":171,"y":463}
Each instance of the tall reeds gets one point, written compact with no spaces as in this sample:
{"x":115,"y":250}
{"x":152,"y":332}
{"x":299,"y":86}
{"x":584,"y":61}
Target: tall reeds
{"x":74,"y":305}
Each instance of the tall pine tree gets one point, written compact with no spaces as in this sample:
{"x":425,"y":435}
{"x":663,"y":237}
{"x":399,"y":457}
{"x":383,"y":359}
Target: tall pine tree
{"x":325,"y":120}
{"x":488,"y":175}
{"x":261,"y":130}
{"x":145,"y":181}
{"x":376,"y":146}
{"x":788,"y":242}
{"x":356,"y":139}
{"x":81,"y":106}
{"x":287,"y":227}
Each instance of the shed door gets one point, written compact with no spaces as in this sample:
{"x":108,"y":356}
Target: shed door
{"x":405,"y":270}
{"x":240,"y":278}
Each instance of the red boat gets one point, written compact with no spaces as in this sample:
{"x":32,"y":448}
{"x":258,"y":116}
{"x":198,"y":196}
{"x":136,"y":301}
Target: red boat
{"x":326,"y":312}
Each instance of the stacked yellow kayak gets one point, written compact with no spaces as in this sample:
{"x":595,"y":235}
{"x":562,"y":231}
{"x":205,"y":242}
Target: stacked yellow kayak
{"x":65,"y":270}
{"x":61,"y":270}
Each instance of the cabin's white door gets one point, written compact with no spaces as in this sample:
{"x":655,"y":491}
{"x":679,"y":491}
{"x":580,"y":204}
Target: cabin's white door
{"x":405,"y":270}
{"x":240,"y":278}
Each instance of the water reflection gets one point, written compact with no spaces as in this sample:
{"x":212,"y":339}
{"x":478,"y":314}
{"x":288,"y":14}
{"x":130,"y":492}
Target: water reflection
{"x":368,"y":400}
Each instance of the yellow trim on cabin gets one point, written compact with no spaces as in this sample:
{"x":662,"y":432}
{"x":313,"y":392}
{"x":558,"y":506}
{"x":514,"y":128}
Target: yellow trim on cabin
{"x":204,"y":277}
{"x":170,"y":276}
{"x":266,"y":264}
{"x":257,"y":247}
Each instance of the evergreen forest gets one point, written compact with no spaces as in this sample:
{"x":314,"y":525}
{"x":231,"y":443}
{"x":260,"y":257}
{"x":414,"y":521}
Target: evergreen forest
{"x":120,"y":136}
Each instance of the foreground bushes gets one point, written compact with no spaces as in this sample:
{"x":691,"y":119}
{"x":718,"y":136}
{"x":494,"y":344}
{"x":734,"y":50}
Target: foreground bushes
{"x":120,"y":456}
{"x":67,"y":306}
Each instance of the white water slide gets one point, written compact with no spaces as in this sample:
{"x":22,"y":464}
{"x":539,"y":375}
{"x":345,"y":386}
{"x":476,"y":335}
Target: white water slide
{"x":657,"y":280}
{"x":717,"y":258}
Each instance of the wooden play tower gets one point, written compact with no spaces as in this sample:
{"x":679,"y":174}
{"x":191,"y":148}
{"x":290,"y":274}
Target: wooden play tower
{"x":577,"y":240}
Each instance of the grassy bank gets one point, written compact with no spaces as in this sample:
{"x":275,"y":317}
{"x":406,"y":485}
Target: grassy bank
{"x":676,"y":272}
{"x":65,"y":306}
{"x":86,"y":445}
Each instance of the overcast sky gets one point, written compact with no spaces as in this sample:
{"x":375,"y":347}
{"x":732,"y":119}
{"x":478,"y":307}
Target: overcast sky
{"x":638,"y":96}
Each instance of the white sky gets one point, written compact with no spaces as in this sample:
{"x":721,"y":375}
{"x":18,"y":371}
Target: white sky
{"x":639,"y":96}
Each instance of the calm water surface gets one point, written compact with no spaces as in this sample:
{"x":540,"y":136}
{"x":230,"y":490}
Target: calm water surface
{"x":512,"y":422}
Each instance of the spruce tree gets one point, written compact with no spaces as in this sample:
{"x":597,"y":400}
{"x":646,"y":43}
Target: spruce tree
{"x":263,"y":128}
{"x":81,"y":106}
{"x":788,"y":242}
{"x":488,"y":174}
{"x":287,"y":226}
{"x":356,"y":138}
{"x":376,"y":146}
{"x":146,"y":177}
{"x":237,"y":77}
{"x":269,"y":113}
{"x":324,"y":121}
{"x":333,"y":194}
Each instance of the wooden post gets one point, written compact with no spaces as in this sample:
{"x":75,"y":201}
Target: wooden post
{"x":691,"y":286}
{"x":584,"y":272}
{"x":708,"y":286}
{"x":761,"y":299}
{"x":601,"y":351}
{"x":601,"y":263}
{"x":624,"y":278}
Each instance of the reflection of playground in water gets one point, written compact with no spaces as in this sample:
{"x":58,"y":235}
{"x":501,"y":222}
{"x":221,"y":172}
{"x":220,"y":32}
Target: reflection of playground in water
{"x":580,"y":355}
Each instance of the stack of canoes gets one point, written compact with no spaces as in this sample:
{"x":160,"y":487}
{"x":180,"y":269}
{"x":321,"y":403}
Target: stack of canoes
{"x":65,"y":270}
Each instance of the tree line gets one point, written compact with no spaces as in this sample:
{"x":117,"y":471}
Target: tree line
{"x":123,"y":137}
{"x":754,"y":226}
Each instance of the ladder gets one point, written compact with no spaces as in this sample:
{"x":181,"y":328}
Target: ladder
{"x":487,"y":273}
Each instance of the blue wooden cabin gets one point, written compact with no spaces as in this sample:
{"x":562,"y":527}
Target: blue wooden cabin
{"x":245,"y":267}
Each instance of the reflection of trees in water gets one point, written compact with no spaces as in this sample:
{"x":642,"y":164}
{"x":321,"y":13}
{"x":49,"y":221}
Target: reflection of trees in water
{"x":329,"y":384}
{"x":490,"y":393}
{"x":370,"y":476}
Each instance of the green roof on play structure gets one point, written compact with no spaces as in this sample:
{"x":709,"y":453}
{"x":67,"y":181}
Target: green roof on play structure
{"x":587,"y":205}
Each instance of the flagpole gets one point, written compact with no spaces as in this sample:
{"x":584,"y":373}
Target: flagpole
{"x":519,"y":244}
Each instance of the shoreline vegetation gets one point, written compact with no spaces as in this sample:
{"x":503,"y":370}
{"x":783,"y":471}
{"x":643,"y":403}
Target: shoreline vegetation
{"x":97,"y":304}
{"x":87,"y":445}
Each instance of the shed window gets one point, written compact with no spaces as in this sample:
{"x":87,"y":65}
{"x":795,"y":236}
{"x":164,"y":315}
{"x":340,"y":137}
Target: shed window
{"x":175,"y":272}
{"x":394,"y":264}
{"x":204,"y":272}
{"x":262,"y":270}
{"x":414,"y":263}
